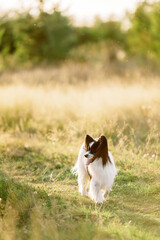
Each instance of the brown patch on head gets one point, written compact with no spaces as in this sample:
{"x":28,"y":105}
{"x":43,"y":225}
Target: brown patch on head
{"x":87,"y":141}
{"x":93,"y":148}
{"x":100,"y":149}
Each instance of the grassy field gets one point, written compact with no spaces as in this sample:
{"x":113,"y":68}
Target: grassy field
{"x":44,"y":116}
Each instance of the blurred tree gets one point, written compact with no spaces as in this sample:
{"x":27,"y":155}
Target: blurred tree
{"x":112,"y":34}
{"x":143,"y":37}
{"x":23,"y":28}
{"x":51,"y":36}
{"x":55,"y":35}
{"x":46,"y":37}
{"x":85,"y":35}
{"x":7,"y":45}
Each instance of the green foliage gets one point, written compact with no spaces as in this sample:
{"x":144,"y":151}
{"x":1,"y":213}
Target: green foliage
{"x":49,"y":37}
{"x":6,"y":37}
{"x":112,"y":34}
{"x":144,"y":34}
{"x":58,"y":36}
{"x":46,"y":37}
{"x":109,"y":31}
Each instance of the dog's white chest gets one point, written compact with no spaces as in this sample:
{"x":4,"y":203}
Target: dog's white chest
{"x":103,"y":175}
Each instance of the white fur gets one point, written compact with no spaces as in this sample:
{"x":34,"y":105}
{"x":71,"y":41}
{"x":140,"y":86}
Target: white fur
{"x":90,"y":145}
{"x":102,"y":177}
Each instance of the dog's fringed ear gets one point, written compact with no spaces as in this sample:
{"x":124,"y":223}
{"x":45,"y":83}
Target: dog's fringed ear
{"x":102,"y":150}
{"x":87,"y":141}
{"x":104,"y":146}
{"x":103,"y":143}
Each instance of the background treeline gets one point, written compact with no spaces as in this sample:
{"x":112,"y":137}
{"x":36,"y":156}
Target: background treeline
{"x":53,"y":37}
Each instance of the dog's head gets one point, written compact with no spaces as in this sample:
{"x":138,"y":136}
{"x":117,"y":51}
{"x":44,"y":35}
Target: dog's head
{"x":96,"y":149}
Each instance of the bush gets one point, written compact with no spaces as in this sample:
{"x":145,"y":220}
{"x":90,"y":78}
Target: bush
{"x":52,"y":37}
{"x":143,"y":37}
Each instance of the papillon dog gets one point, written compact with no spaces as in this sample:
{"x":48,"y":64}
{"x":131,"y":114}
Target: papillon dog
{"x":95,"y":168}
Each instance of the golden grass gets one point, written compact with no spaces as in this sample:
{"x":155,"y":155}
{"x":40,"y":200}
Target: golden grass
{"x":44,"y":116}
{"x":89,"y":100}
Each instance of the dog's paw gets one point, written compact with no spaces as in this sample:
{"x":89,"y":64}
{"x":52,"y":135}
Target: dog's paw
{"x":83,"y":193}
{"x":98,"y":202}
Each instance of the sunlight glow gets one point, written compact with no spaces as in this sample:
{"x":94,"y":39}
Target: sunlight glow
{"x":81,"y":10}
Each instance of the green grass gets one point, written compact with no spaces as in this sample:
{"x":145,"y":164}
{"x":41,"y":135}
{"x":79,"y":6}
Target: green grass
{"x":39,"y":144}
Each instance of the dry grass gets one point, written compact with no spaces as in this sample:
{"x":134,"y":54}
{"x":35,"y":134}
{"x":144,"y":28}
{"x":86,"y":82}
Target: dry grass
{"x":44,"y":115}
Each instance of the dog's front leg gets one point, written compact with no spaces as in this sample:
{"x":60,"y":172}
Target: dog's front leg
{"x":83,"y":183}
{"x":94,"y":192}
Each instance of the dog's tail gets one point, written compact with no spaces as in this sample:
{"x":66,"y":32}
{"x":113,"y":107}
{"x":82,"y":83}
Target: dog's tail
{"x":74,"y":170}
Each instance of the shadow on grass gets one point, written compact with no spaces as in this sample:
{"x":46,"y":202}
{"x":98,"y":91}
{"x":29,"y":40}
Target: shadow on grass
{"x":57,"y":215}
{"x":32,"y":208}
